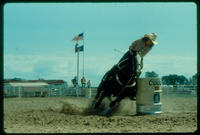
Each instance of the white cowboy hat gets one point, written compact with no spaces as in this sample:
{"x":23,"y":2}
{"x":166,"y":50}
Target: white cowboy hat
{"x":152,"y":37}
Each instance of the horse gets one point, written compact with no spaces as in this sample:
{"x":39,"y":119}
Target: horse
{"x":120,"y":80}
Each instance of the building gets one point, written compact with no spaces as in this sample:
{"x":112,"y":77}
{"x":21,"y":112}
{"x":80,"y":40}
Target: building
{"x":41,"y":87}
{"x":25,"y":89}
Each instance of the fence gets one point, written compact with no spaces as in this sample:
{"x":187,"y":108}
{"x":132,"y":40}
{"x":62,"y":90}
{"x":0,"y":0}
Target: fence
{"x":71,"y":91}
{"x":10,"y":91}
{"x":189,"y":90}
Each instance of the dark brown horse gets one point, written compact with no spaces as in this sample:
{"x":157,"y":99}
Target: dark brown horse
{"x":120,"y":80}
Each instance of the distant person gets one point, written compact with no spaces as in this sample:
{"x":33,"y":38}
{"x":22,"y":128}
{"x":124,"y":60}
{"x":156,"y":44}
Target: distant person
{"x":83,"y":82}
{"x":88,"y":84}
{"x":74,"y":81}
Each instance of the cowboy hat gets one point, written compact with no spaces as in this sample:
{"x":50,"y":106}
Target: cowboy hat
{"x":152,"y":37}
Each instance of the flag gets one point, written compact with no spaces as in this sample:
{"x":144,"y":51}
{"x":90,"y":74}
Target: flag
{"x":78,"y":37}
{"x":78,"y":49}
{"x":81,"y":48}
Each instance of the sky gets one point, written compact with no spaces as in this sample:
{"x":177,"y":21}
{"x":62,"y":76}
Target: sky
{"x":38,"y":38}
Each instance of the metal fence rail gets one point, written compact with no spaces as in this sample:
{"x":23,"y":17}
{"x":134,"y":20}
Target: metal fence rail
{"x":80,"y":92}
{"x":179,"y":90}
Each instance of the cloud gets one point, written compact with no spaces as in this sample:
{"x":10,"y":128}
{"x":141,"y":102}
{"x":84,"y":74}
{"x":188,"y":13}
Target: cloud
{"x":170,"y":64}
{"x":64,"y":67}
{"x":55,"y":67}
{"x":43,"y":66}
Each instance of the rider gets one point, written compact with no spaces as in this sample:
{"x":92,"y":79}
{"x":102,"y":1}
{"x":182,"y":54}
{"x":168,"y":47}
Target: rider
{"x":141,"y":46}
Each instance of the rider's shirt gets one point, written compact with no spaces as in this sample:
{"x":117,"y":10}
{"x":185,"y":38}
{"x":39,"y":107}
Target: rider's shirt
{"x":139,"y":46}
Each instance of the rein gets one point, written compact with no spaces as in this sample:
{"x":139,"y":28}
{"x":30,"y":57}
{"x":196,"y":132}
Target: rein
{"x":117,"y":78}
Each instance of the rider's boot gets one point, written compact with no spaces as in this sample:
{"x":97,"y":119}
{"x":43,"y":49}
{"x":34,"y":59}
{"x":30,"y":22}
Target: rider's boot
{"x":132,"y":98}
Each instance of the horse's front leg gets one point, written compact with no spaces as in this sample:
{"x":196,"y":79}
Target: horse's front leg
{"x":100,"y":99}
{"x":98,"y":93}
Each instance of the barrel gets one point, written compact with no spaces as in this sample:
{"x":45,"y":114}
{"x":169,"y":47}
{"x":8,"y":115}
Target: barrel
{"x":148,"y":96}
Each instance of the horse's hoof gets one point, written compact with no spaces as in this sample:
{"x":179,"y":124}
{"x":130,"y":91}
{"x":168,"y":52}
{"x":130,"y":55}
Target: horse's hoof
{"x":105,"y":112}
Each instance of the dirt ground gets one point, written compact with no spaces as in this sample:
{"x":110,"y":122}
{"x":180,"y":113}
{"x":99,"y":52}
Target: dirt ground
{"x":66,"y":115}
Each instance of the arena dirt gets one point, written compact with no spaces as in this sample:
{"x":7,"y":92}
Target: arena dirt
{"x":73,"y":115}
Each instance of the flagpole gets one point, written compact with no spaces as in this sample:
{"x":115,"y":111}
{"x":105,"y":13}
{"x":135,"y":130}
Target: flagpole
{"x":77,"y":38}
{"x":83,"y":54}
{"x":78,"y":66}
{"x":77,"y":87}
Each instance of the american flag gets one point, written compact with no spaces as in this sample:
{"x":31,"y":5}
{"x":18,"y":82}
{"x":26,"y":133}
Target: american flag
{"x":78,"y":37}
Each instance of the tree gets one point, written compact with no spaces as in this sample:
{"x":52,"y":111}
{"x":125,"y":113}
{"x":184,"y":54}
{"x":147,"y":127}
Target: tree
{"x":175,"y":80}
{"x":169,"y":80}
{"x":151,"y":74}
{"x":190,"y":81}
{"x":194,"y":79}
{"x":183,"y":80}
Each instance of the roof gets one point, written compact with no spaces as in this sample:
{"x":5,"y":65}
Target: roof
{"x":48,"y":81}
{"x":28,"y":84}
{"x":35,"y":81}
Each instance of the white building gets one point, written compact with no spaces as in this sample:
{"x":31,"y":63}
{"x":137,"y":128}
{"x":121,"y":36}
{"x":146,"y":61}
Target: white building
{"x":25,"y":89}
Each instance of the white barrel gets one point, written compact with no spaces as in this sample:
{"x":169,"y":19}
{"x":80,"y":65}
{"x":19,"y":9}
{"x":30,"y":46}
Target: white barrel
{"x":148,"y":96}
{"x":88,"y":93}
